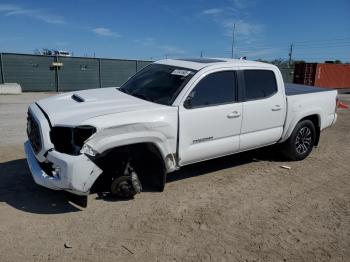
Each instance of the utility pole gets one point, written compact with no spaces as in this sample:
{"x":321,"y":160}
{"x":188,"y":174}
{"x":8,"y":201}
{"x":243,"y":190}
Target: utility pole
{"x":233,"y":39}
{"x":290,"y":54}
{"x":201,"y":53}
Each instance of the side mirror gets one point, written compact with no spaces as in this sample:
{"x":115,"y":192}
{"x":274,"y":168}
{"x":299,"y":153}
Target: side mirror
{"x":187,"y":103}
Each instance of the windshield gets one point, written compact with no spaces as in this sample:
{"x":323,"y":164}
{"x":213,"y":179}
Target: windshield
{"x":158,"y":83}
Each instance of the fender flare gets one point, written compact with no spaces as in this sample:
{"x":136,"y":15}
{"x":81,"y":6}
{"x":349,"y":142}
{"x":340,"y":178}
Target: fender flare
{"x":287,"y":133}
{"x":134,"y":134}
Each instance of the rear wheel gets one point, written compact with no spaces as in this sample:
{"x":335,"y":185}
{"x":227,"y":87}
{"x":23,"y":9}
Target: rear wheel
{"x":301,"y":142}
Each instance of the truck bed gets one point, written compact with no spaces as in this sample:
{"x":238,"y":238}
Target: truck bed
{"x":296,"y":89}
{"x":305,"y":100}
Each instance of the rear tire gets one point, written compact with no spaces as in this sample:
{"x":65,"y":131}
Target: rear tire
{"x":301,"y":142}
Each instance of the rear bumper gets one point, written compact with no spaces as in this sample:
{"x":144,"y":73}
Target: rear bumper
{"x":75,"y":174}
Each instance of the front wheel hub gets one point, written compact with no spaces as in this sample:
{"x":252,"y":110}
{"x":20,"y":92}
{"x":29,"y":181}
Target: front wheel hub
{"x":122,"y":187}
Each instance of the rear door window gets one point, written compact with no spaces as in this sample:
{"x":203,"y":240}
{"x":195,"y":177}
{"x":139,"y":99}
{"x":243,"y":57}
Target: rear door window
{"x":259,"y":84}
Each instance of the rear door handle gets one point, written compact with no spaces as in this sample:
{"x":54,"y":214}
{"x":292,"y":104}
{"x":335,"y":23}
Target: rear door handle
{"x":234,"y":114}
{"x":276,"y":108}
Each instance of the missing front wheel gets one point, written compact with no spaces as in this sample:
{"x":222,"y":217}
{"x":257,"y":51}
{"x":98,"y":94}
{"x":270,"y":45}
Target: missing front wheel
{"x":127,"y":185}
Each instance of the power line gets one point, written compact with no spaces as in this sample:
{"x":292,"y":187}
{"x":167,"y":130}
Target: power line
{"x":301,"y":43}
{"x":325,"y":43}
{"x":322,"y":40}
{"x":325,"y":46}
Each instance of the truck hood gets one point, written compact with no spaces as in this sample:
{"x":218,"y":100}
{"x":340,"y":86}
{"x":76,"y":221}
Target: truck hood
{"x":71,"y":109}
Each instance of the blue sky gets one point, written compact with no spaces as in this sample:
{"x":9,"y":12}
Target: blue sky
{"x":320,"y":30}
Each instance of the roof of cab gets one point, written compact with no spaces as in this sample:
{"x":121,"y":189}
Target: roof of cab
{"x":200,"y":63}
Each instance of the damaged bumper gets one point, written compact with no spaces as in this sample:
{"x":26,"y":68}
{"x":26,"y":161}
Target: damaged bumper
{"x":75,"y":174}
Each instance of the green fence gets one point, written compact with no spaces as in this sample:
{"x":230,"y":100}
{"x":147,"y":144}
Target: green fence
{"x":287,"y":74}
{"x":124,"y":68}
{"x":1,"y":74}
{"x":50,"y":73}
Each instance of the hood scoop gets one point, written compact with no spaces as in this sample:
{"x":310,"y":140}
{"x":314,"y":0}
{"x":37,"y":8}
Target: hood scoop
{"x":80,"y":99}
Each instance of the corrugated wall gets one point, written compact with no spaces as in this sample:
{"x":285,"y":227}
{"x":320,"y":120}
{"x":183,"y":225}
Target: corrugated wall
{"x":142,"y":64}
{"x":33,"y":73}
{"x":78,"y":73}
{"x":332,"y":76}
{"x":38,"y":73}
{"x":304,"y":73}
{"x":1,"y":76}
{"x":116,"y":72}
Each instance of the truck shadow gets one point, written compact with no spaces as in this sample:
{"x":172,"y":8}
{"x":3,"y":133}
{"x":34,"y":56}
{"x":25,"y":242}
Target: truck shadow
{"x":203,"y":168}
{"x":18,"y":189}
{"x":270,"y":153}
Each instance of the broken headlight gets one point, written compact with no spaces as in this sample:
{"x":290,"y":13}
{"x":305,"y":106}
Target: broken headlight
{"x":88,"y":150}
{"x":70,"y":140}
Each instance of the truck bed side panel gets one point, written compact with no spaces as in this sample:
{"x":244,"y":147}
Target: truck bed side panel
{"x":303,"y":104}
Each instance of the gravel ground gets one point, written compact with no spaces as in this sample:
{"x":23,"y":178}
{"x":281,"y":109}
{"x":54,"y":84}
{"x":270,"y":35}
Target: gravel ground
{"x":238,"y":208}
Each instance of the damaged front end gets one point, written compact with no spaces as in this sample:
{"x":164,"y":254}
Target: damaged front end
{"x":59,"y":159}
{"x":70,"y":140}
{"x":53,"y":154}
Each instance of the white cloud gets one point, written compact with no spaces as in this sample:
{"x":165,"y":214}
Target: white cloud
{"x":7,"y":7}
{"x":240,"y":4}
{"x":149,"y":41}
{"x":242,"y":28}
{"x":235,"y":14}
{"x":39,"y":14}
{"x":102,"y":31}
{"x":166,"y":49}
{"x":212,"y":11}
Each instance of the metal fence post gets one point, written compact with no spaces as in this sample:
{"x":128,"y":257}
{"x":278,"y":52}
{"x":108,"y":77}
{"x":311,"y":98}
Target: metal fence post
{"x":136,"y":65}
{"x":2,"y":70}
{"x":57,"y":79}
{"x":99,"y":73}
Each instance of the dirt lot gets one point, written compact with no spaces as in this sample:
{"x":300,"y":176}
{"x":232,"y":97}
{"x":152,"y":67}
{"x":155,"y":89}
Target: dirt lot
{"x":237,"y":208}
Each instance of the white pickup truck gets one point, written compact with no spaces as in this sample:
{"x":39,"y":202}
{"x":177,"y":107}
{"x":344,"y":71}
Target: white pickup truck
{"x":173,"y":113}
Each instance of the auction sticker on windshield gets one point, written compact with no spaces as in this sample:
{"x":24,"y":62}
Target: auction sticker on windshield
{"x":180,"y":72}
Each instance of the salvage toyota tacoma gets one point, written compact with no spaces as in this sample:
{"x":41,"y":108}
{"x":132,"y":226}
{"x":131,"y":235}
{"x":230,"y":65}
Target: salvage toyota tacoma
{"x":172,"y":113}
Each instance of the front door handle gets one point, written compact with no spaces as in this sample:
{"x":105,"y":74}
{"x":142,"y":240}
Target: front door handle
{"x":276,"y":108}
{"x":234,"y":114}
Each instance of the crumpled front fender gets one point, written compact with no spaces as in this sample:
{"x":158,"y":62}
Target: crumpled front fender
{"x":158,"y":133}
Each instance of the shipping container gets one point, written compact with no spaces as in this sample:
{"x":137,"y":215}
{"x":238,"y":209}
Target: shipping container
{"x":304,"y":73}
{"x":333,"y":76}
